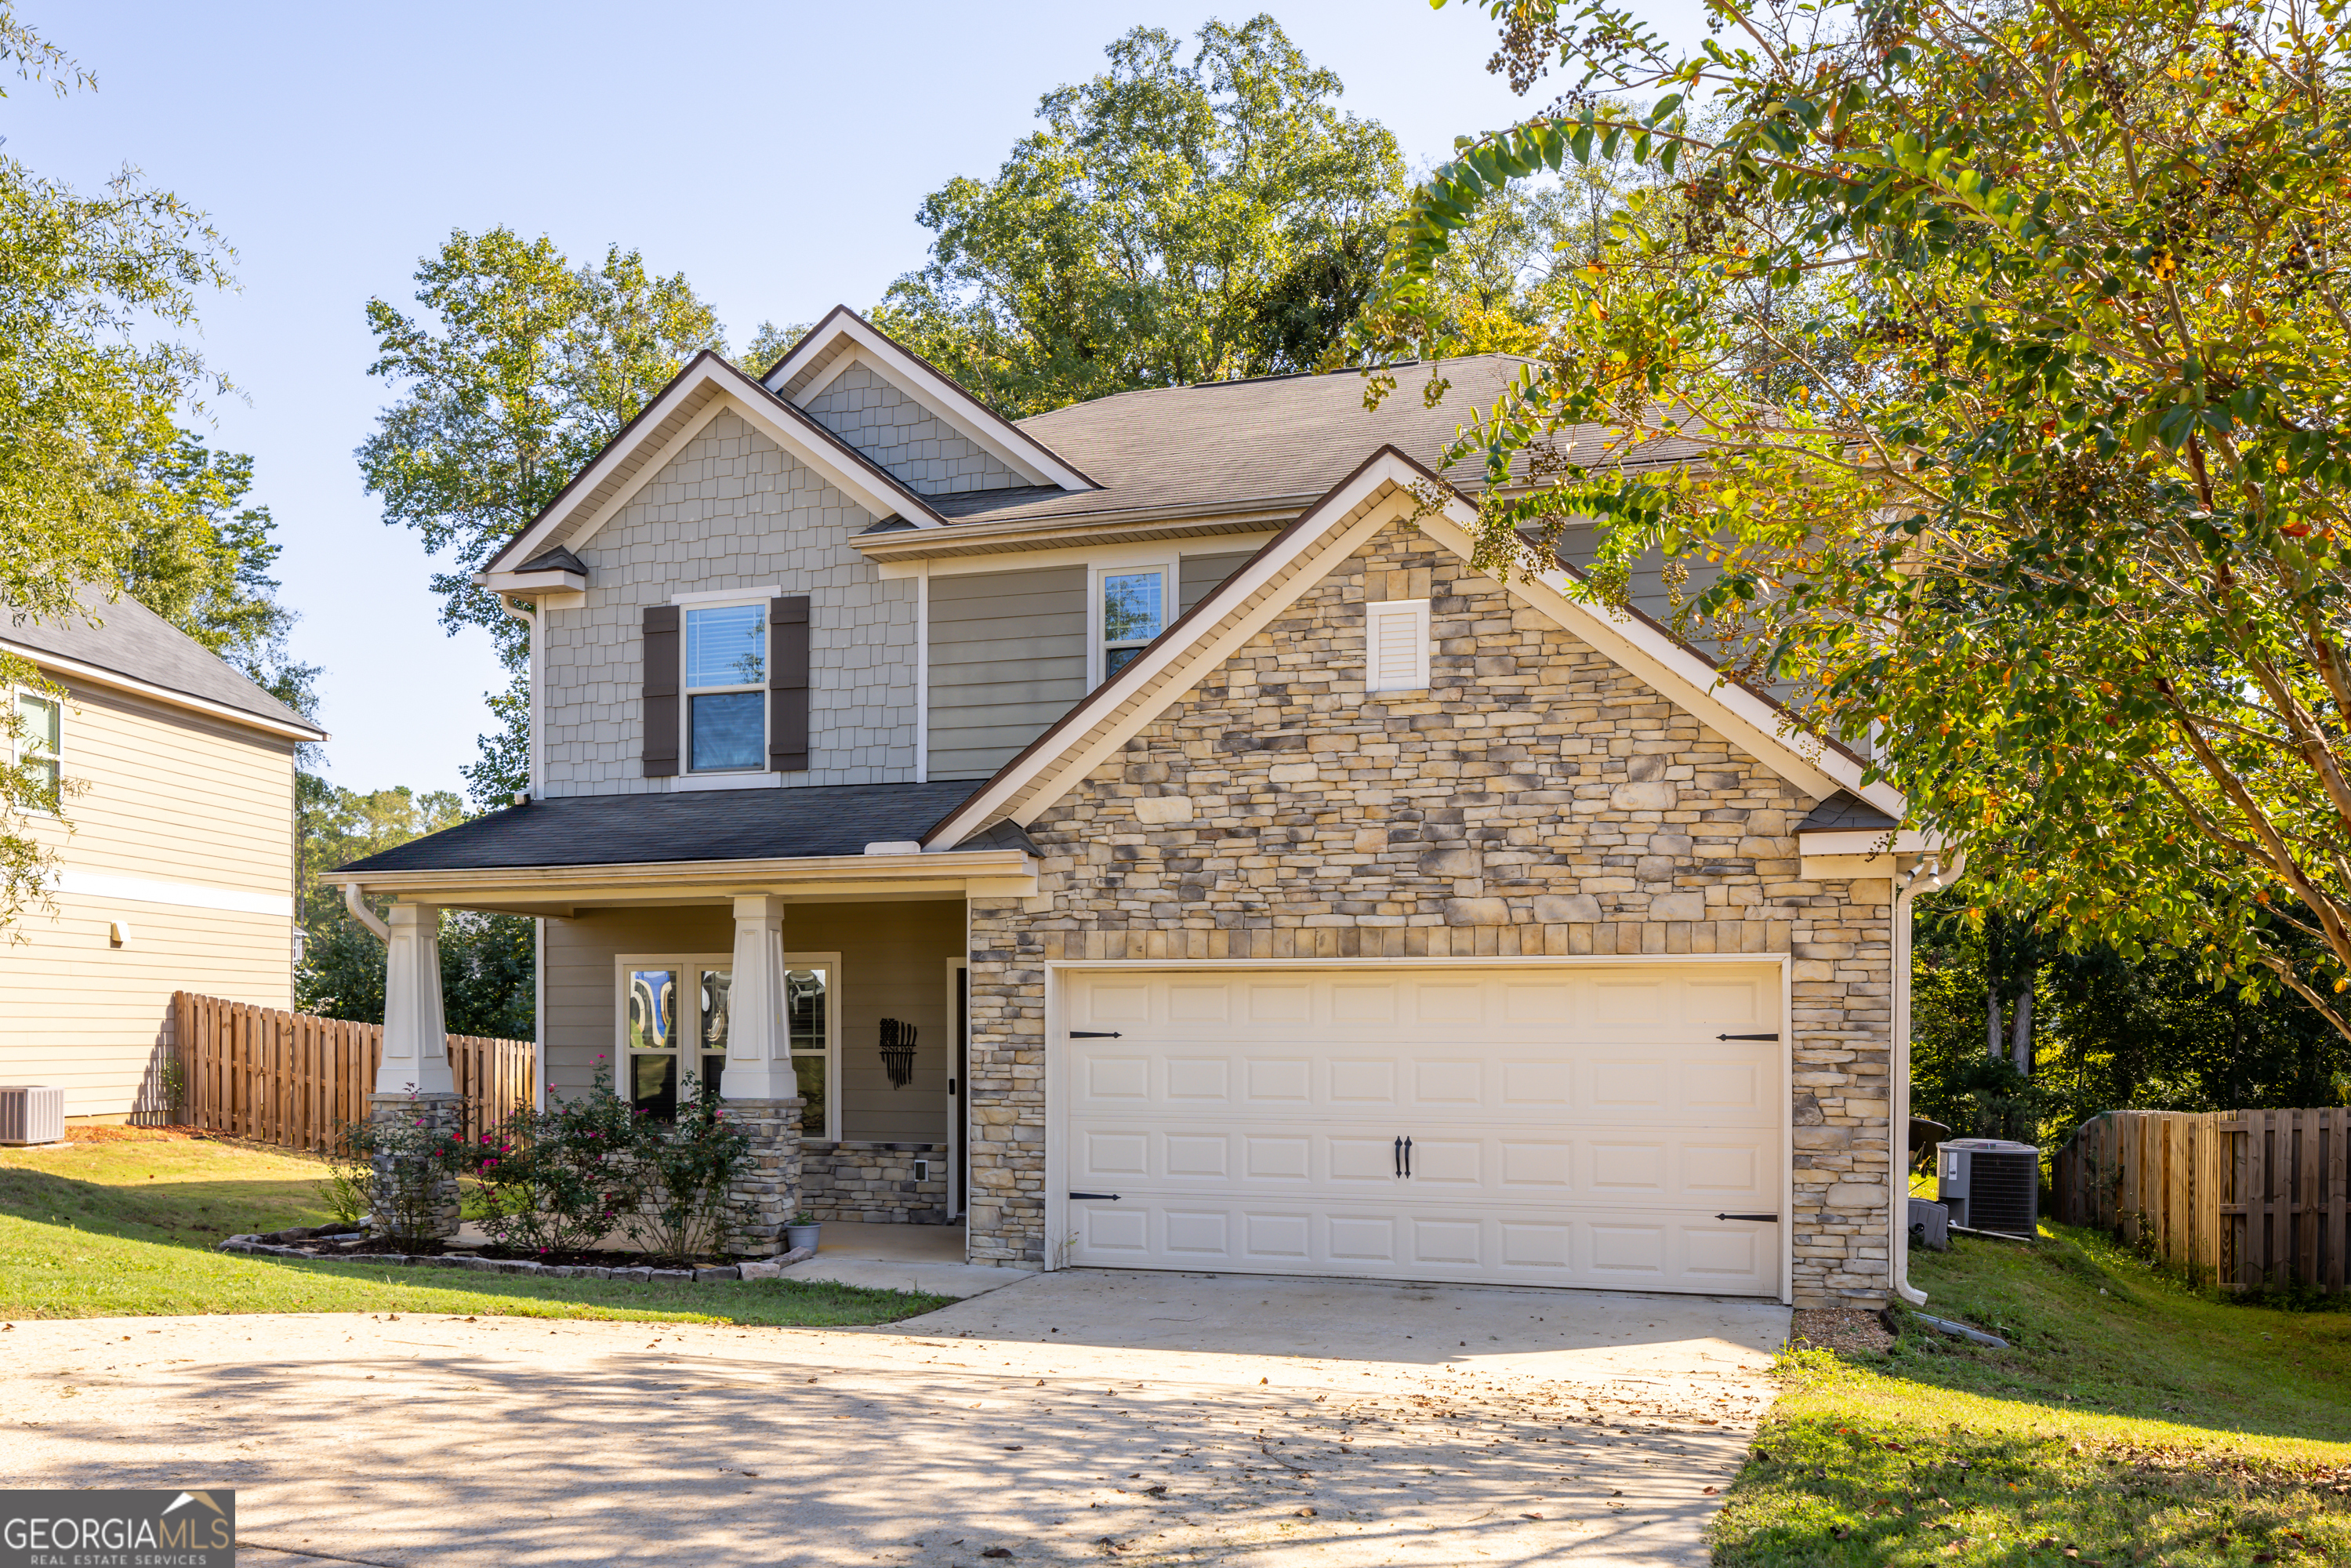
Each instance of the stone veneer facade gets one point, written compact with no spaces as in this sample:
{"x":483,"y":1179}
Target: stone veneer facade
{"x":873,"y":1184}
{"x":1537,"y":799}
{"x":730,"y":509}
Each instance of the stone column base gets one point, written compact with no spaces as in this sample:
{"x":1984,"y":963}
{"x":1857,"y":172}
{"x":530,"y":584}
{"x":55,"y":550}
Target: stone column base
{"x":762,"y":1200}
{"x":440,"y":1114}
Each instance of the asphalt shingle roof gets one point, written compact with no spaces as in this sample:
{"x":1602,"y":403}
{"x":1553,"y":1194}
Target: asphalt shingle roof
{"x":1284,"y":438}
{"x":129,"y":639}
{"x":1845,"y":813}
{"x":690,"y":825}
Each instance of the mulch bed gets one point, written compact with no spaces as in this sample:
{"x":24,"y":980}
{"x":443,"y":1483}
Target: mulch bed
{"x":1850,"y":1331}
{"x":109,"y":1134}
{"x":353,"y":1246}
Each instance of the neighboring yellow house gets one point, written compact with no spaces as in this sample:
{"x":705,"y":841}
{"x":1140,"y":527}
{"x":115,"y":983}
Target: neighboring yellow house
{"x":175,"y":856}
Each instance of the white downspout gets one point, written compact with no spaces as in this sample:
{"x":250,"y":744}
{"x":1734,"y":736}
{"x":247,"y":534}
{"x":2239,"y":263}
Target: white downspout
{"x":529,"y":618}
{"x":1918,"y":880}
{"x":363,"y":914}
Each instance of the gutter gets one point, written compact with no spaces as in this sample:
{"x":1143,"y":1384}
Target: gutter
{"x":938,"y":868}
{"x":1907,"y":887}
{"x":357,"y":905}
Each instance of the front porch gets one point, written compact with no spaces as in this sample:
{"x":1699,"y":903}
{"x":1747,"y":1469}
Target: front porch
{"x":824,"y":995}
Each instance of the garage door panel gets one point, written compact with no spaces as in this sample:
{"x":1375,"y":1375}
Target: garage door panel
{"x":1581,"y":1128}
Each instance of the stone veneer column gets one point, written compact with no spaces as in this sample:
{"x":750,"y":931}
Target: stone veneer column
{"x":762,"y":1200}
{"x":441,"y":1115}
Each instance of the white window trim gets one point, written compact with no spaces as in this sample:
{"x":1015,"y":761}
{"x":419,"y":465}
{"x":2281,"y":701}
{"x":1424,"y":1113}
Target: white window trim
{"x":1416,"y":611}
{"x":19,"y":751}
{"x":686,"y":964}
{"x":1170,"y":589}
{"x":686,"y":777}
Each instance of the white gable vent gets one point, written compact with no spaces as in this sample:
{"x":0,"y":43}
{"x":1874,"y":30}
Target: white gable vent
{"x":1396,"y":651}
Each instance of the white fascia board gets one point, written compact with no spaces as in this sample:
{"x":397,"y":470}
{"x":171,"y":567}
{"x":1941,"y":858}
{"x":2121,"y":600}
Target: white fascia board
{"x":1143,"y":552}
{"x":1869,"y":842}
{"x":97,"y":676}
{"x":941,"y":872}
{"x":1068,"y":766}
{"x":1023,"y":455}
{"x":732,"y":391}
{"x":1819,"y":769}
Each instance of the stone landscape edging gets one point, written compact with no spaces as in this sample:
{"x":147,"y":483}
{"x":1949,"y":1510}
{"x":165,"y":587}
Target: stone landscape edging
{"x":253,"y":1246}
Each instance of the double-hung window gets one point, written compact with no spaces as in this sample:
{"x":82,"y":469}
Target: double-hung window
{"x":726,"y":689}
{"x":39,"y":734}
{"x":675,"y":1023}
{"x":1133,"y":611}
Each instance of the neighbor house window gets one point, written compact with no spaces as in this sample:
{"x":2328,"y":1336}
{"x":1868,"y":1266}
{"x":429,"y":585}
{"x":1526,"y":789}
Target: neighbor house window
{"x":1134,"y":612}
{"x":726,"y":689}
{"x":37,"y":740}
{"x":676,"y":1021}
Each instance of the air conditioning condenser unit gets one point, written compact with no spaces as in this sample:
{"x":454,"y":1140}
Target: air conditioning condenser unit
{"x":1990,"y":1184}
{"x":32,"y":1113}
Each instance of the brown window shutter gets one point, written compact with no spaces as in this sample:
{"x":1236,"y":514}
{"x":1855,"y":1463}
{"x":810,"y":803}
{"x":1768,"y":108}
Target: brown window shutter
{"x":661,"y":667}
{"x":788,"y":684}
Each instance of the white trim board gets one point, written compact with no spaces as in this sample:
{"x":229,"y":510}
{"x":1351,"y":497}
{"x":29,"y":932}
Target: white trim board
{"x":178,"y":894}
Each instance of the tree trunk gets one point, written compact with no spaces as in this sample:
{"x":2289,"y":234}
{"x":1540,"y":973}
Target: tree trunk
{"x":2019,"y":1035}
{"x":1993,"y":1045}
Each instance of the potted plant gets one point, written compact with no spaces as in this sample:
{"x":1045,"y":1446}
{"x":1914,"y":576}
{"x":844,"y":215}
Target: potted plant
{"x":801,"y":1231}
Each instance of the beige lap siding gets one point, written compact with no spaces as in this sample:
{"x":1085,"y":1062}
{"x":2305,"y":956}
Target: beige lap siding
{"x":1537,"y":800}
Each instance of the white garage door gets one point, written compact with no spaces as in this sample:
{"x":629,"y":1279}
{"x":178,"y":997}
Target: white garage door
{"x":1557,"y":1126}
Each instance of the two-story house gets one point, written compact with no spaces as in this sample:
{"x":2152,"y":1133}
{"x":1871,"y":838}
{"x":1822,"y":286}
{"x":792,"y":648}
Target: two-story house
{"x":1140,"y":833}
{"x":172,"y":854}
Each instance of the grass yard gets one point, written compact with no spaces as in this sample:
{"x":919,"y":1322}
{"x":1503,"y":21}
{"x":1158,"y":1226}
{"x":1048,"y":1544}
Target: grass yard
{"x":2134,"y":1422}
{"x":125,"y":1227}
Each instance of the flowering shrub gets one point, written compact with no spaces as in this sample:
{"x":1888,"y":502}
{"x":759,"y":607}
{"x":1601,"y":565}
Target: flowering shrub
{"x":404,"y":1162}
{"x":556,"y":1180}
{"x":683,"y":1171}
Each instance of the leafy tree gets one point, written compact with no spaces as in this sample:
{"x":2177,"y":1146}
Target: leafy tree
{"x":521,"y":368}
{"x":88,"y":398}
{"x":486,"y":967}
{"x":201,"y":560}
{"x":2013,"y":341}
{"x":1171,"y":221}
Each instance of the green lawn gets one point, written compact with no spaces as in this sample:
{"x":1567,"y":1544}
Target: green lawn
{"x":2135,"y":1421}
{"x":126,"y":1229}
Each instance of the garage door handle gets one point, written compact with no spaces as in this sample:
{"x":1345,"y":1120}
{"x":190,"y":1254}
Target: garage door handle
{"x":1773,"y":1035}
{"x":1113,"y":1034}
{"x":1758,"y":1218}
{"x":1094,"y":1197}
{"x":1407,"y":1159}
{"x":1399,"y":1156}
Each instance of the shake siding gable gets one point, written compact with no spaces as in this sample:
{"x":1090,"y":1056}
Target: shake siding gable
{"x":731,"y":509}
{"x":920,"y":450}
{"x":1536,"y":801}
{"x":1007,"y":658}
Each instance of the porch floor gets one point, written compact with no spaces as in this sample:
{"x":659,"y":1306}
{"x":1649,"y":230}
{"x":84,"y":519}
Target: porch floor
{"x":900,"y":1258}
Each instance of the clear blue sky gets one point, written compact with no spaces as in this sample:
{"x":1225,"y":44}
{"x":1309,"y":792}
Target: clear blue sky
{"x":774,"y":153}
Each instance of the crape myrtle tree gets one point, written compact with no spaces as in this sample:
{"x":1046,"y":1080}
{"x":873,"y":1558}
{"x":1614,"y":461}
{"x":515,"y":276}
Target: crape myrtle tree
{"x":2013,"y":339}
{"x":519,"y":369}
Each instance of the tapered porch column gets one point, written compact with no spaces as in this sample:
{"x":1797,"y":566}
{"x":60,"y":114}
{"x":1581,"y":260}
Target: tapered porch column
{"x":409,"y":1199}
{"x":416,"y":1038}
{"x":760,"y":1091}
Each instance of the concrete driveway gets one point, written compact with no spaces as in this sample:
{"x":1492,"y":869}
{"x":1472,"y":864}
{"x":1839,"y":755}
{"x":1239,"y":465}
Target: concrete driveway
{"x":1079,"y":1417}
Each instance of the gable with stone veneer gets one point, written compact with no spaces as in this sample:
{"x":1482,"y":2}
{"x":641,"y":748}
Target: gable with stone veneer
{"x":1538,"y":799}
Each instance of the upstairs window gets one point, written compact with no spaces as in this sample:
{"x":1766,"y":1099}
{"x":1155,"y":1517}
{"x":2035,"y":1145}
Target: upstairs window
{"x":726,"y":689}
{"x":1134,"y":612}
{"x":38,"y":738}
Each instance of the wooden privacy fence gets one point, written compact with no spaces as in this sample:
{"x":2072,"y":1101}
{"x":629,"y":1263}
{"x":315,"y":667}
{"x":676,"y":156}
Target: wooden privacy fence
{"x":2244,"y":1198}
{"x":294,"y":1079}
